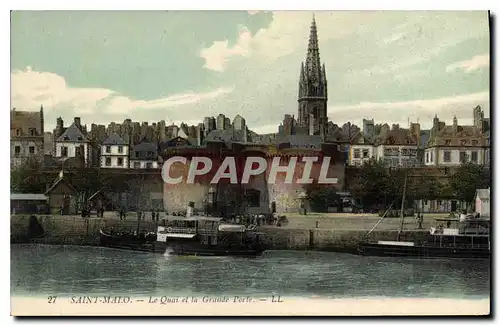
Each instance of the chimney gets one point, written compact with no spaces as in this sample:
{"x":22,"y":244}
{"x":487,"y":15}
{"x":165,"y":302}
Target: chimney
{"x":77,"y":122}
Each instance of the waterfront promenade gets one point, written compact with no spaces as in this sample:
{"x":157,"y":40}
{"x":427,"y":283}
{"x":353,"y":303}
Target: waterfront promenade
{"x":335,"y":232}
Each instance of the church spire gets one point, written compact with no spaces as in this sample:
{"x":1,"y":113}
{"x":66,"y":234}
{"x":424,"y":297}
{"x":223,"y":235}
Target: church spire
{"x":313,"y":87}
{"x":313,"y":63}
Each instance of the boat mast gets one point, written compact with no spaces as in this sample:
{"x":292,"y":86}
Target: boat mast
{"x":138,"y":202}
{"x":376,"y":224}
{"x":402,"y":208}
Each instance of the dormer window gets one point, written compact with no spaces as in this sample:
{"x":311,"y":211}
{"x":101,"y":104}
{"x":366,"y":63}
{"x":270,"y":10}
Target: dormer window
{"x":447,"y":142}
{"x":79,"y":137}
{"x":32,"y":132}
{"x":18,"y":132}
{"x":463,"y":142}
{"x":66,"y":138}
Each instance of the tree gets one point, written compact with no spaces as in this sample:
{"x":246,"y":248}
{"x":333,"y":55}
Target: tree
{"x":29,"y":177}
{"x":376,"y":185}
{"x":425,"y":187}
{"x":467,"y":178}
{"x":320,"y":198}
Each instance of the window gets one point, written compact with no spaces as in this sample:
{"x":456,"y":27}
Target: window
{"x":463,"y":142}
{"x":108,"y":161}
{"x":366,"y":153}
{"x":17,"y":150}
{"x":253,"y":197}
{"x":447,"y":156}
{"x":18,"y":132}
{"x":473,"y":156}
{"x":32,"y":149}
{"x":64,"y":151}
{"x":394,"y":162}
{"x":108,"y":149}
{"x":405,"y":152}
{"x":149,"y":165}
{"x":427,"y":157}
{"x":474,"y":142}
{"x":66,"y":138}
{"x":439,"y":203}
{"x":79,"y":137}
{"x":463,"y":157}
{"x":137,"y":165}
{"x":136,"y":154}
{"x":120,"y":149}
{"x":447,"y":142}
{"x":120,"y":161}
{"x":432,"y":157}
{"x":357,"y":153}
{"x":32,"y":132}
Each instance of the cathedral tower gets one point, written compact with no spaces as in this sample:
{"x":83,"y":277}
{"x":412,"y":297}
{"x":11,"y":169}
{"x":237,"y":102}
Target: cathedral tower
{"x":313,"y":96}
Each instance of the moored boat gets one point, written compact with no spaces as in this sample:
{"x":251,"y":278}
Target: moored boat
{"x":197,"y":236}
{"x":470,"y":239}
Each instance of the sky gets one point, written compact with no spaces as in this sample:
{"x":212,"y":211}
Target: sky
{"x":180,"y":66}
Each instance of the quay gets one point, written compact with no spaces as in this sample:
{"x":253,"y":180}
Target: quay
{"x":337,"y":232}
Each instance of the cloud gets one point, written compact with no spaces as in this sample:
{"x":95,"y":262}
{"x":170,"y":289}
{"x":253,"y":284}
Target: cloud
{"x":287,"y":32}
{"x":423,"y":110}
{"x":220,"y":52}
{"x":30,"y":89}
{"x":473,"y":64}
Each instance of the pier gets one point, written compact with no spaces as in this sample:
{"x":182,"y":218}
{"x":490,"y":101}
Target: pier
{"x":332,"y":232}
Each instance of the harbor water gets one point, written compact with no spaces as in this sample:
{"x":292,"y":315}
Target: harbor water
{"x":46,"y":270}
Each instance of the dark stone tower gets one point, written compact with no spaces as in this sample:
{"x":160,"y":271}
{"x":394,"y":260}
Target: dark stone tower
{"x":313,"y":89}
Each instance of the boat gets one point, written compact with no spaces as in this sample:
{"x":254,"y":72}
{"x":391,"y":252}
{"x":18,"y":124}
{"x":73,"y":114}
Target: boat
{"x":191,"y":236}
{"x":469,"y":238}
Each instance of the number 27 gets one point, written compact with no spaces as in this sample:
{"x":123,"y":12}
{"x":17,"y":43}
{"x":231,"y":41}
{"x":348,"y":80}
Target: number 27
{"x":52,"y":299}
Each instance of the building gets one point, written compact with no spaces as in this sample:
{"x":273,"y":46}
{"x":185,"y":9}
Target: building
{"x":26,"y":136}
{"x":28,"y":203}
{"x":313,"y":95}
{"x":144,"y":156}
{"x":397,"y":147}
{"x":456,"y":144}
{"x":439,"y":205}
{"x":362,"y":148}
{"x":62,"y":196}
{"x":73,"y":142}
{"x":115,"y":153}
{"x":482,"y":202}
{"x":258,"y":195}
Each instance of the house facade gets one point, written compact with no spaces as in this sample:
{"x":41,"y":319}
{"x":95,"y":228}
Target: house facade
{"x":397,"y":147}
{"x":482,"y":202}
{"x":361,"y":150}
{"x":73,"y":142}
{"x":26,"y":136}
{"x":455,"y":144}
{"x":144,"y":156}
{"x":115,"y":152}
{"x":439,"y":205}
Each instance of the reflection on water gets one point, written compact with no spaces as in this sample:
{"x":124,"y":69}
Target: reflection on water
{"x":72,"y":270}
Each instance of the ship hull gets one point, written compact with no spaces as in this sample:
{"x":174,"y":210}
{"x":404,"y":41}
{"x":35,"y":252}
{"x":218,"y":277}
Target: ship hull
{"x":176,"y":247}
{"x":385,"y":250}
